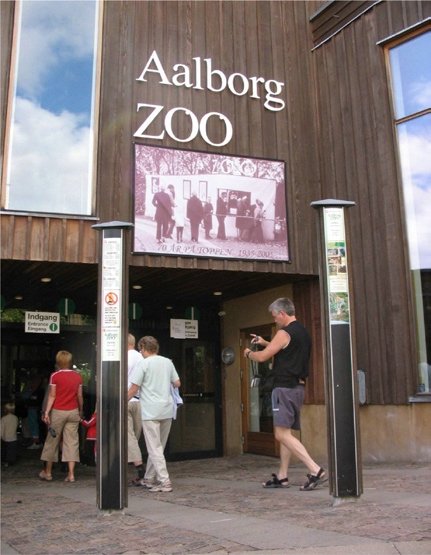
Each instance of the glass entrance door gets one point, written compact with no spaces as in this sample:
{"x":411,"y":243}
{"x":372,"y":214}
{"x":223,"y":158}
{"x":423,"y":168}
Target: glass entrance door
{"x":197,"y":429}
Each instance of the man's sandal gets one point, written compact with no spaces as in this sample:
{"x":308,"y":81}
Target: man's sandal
{"x":314,"y":481}
{"x":276,"y":483}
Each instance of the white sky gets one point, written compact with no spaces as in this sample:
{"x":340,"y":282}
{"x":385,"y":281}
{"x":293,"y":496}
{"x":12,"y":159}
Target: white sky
{"x":51,"y":155}
{"x":415,"y":152}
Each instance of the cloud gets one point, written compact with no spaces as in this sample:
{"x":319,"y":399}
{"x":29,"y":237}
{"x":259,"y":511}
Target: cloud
{"x":52,"y":33}
{"x":420,"y":93}
{"x":415,"y":151}
{"x":415,"y":146}
{"x":51,"y":156}
{"x":420,"y":229}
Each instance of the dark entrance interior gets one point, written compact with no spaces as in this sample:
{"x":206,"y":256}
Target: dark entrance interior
{"x":153,"y":288}
{"x":196,"y":431}
{"x":155,"y":295}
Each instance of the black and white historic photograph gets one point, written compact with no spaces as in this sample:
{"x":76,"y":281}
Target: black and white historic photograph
{"x":202,"y":204}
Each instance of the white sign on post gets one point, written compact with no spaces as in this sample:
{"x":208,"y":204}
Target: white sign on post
{"x":184,"y":329}
{"x":42,"y":322}
{"x":336,"y":263}
{"x":111,"y":305}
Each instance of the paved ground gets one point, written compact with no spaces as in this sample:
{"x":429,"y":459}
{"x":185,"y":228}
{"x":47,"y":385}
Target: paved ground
{"x":217,"y":507}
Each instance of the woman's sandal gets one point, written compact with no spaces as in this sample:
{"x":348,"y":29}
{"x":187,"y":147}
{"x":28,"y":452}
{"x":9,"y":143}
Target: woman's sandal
{"x":69,"y":479}
{"x":276,"y":483}
{"x":44,"y":476}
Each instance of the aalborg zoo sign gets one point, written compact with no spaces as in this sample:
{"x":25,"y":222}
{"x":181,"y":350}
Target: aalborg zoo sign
{"x":201,"y":76}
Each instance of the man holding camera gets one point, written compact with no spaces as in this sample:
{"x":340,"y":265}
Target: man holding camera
{"x":291,"y":348}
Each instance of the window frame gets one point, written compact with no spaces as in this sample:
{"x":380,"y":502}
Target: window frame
{"x":388,"y":44}
{"x":94,"y":118}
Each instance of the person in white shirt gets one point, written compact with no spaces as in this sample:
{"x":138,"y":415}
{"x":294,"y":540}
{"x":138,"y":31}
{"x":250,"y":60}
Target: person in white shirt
{"x":153,"y":380}
{"x":134,"y":421}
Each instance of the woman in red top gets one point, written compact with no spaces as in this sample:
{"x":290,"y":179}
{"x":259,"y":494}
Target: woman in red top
{"x":62,"y":415}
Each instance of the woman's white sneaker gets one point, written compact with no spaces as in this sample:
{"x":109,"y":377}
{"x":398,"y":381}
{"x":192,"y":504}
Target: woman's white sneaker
{"x":163,"y":487}
{"x":148,"y":484}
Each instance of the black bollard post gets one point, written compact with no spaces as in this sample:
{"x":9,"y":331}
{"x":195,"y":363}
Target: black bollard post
{"x":111,"y":465}
{"x":341,"y":383}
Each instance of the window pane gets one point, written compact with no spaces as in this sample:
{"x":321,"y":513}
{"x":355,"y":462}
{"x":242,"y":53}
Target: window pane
{"x":411,"y":79}
{"x":415,"y":154}
{"x":51,"y":144}
{"x":411,"y":75}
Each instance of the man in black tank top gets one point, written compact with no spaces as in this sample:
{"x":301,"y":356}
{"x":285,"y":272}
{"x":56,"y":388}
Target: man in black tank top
{"x":290,"y":348}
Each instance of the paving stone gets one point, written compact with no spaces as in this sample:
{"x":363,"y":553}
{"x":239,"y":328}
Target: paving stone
{"x":50,"y":518}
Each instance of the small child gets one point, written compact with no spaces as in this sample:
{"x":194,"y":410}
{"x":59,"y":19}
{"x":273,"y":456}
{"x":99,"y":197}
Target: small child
{"x":91,"y":430}
{"x":9,"y":440}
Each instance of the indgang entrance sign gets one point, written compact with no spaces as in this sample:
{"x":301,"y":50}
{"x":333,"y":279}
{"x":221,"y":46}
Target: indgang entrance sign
{"x":42,"y":322}
{"x":199,"y":77}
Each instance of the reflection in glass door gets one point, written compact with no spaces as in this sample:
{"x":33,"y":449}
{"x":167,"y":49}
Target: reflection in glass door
{"x":260,"y":413}
{"x":256,"y":399}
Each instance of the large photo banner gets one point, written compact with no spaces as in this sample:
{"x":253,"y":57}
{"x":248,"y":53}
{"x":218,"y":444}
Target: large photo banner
{"x":190,"y":203}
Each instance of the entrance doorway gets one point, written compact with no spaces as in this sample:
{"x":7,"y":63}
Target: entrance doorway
{"x":256,"y":405}
{"x":196,"y":432}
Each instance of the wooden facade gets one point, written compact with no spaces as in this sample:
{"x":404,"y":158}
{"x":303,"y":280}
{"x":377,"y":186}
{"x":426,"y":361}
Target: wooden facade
{"x":222,"y":32}
{"x":357,"y":161}
{"x":335,"y":135}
